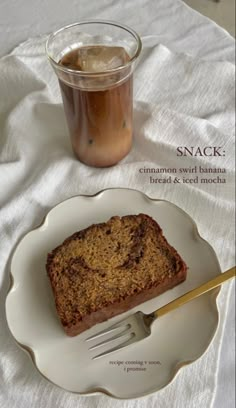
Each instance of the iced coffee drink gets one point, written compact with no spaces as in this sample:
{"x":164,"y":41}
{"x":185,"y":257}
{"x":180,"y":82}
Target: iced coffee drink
{"x":99,"y":120}
{"x":96,"y":82}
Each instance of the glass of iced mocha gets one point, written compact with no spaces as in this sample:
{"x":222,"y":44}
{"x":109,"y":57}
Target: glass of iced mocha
{"x":94,"y":63}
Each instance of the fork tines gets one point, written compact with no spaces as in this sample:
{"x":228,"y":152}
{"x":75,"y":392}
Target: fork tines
{"x":125,"y":334}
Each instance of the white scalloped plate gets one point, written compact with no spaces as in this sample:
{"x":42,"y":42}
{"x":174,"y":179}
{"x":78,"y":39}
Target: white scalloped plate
{"x":145,"y":367}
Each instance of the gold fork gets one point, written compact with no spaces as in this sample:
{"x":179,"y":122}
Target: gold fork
{"x":138,"y":326}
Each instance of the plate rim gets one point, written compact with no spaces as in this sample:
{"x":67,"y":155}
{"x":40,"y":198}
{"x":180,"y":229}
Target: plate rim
{"x":103,"y":391}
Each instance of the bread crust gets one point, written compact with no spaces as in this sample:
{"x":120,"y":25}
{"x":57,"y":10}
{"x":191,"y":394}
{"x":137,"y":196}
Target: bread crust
{"x":117,"y":304}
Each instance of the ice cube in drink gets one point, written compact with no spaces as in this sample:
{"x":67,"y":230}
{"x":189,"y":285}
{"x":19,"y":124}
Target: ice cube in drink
{"x":101,"y":58}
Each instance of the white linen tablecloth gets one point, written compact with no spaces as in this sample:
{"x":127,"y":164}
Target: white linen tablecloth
{"x":184,"y":96}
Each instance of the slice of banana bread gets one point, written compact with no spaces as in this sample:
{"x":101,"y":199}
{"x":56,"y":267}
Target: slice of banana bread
{"x":108,"y":268}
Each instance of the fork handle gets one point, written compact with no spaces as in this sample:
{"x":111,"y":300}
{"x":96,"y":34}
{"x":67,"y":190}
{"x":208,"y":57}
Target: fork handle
{"x":192,"y":294}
